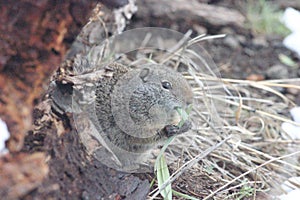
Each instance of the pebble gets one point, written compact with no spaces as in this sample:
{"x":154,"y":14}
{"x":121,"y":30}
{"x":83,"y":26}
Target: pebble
{"x":277,"y":71}
{"x":255,"y":77}
{"x":260,"y":41}
{"x":242,"y":39}
{"x":231,"y":41}
{"x":200,"y":29}
{"x":293,"y":91}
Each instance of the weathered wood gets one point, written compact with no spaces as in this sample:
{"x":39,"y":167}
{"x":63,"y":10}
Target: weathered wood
{"x":19,"y":174}
{"x":68,"y":172}
{"x":191,"y":10}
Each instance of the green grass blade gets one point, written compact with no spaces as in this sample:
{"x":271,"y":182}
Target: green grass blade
{"x":179,"y":194}
{"x":162,"y":176}
{"x":184,"y":116}
{"x":287,"y":60}
{"x":163,"y":149}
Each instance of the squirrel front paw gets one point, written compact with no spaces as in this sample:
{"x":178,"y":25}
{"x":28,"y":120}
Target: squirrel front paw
{"x":171,"y":130}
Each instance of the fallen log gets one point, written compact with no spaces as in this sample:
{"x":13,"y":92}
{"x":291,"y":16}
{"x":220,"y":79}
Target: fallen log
{"x":193,"y":10}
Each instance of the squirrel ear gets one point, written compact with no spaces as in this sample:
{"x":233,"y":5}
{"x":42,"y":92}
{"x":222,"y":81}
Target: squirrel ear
{"x":144,"y":74}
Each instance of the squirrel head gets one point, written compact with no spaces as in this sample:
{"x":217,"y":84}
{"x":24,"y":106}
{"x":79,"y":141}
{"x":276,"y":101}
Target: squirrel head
{"x":148,"y":99}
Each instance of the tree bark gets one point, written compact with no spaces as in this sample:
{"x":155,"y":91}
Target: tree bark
{"x":34,"y":38}
{"x":53,"y":162}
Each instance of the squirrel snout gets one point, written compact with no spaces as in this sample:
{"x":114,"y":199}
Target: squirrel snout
{"x":175,"y":117}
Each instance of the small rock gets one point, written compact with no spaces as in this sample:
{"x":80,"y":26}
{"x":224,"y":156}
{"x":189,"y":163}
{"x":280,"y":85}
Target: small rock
{"x":255,"y":77}
{"x":260,"y":41}
{"x":232,"y":42}
{"x":277,"y":72}
{"x":242,"y":39}
{"x":293,"y":91}
{"x":199,"y":29}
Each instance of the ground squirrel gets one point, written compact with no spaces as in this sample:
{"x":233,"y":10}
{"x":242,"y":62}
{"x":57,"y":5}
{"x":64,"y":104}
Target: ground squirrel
{"x":136,"y":108}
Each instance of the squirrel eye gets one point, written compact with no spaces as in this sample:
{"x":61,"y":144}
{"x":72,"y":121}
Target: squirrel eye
{"x":167,"y":85}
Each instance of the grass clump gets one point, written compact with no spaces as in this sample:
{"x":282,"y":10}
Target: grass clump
{"x":264,"y":18}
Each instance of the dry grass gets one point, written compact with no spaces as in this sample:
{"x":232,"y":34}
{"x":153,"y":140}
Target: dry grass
{"x":236,"y":142}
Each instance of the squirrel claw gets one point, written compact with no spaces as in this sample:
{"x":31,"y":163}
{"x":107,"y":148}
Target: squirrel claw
{"x":171,"y":130}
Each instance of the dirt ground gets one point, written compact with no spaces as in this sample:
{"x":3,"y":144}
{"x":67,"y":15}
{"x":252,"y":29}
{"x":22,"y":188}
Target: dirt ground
{"x":243,"y":54}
